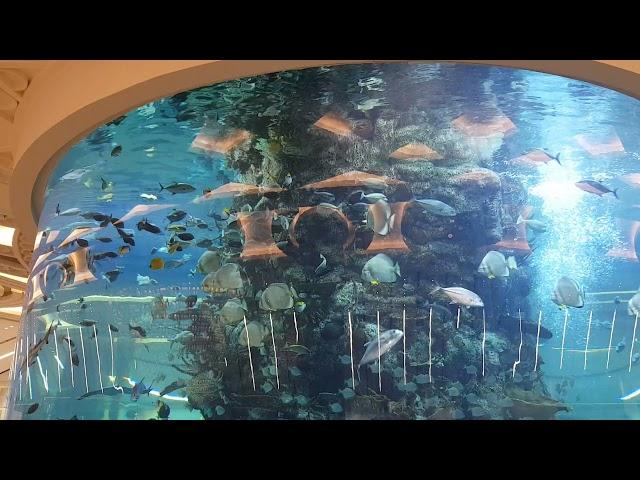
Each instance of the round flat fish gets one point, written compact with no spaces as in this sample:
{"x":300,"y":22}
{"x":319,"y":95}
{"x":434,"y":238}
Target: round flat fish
{"x":228,"y":276}
{"x":276,"y":296}
{"x":256,"y":333}
{"x":568,"y":293}
{"x":379,"y":217}
{"x":493,"y":265}
{"x":209,"y":262}
{"x":233,"y":311}
{"x":380,"y":268}
{"x":633,"y":307}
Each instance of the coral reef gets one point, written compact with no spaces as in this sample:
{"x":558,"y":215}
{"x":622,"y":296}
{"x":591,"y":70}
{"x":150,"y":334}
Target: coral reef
{"x":316,"y":275}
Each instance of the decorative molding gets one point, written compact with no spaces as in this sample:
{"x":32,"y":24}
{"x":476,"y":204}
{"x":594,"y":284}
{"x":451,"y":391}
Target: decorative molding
{"x":12,"y":299}
{"x":23,"y":249}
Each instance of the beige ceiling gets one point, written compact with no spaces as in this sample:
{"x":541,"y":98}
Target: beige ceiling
{"x":46,"y":106}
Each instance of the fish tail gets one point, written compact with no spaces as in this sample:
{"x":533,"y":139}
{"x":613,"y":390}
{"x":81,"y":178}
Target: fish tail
{"x":397,"y":270}
{"x":161,"y":187}
{"x":438,"y":288}
{"x":520,"y":220}
{"x":557,"y":158}
{"x":615,"y":193}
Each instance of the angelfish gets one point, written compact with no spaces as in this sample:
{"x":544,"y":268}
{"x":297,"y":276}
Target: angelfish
{"x":372,"y":353}
{"x":494,"y":265}
{"x":379,"y":218}
{"x":633,"y":307}
{"x":567,"y":293}
{"x":380,"y":269}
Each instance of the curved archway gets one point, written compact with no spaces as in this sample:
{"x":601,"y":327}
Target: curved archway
{"x":68,"y":99}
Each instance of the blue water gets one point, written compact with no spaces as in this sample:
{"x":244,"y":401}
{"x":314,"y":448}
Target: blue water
{"x":588,"y":238}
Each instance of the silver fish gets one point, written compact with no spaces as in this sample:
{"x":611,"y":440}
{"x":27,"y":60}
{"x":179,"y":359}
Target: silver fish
{"x":436,"y":207}
{"x":374,"y":351}
{"x":567,"y":293}
{"x":535,"y":225}
{"x":461,"y":296}
{"x":373,"y":197}
{"x":145,"y":280}
{"x":370,"y":104}
{"x":75,"y":174}
{"x":69,"y":212}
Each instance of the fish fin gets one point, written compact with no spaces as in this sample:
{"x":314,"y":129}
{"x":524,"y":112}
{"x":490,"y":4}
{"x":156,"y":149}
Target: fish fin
{"x":615,"y":193}
{"x":392,"y":219}
{"x":438,"y":288}
{"x":491,"y":277}
{"x":161,"y":187}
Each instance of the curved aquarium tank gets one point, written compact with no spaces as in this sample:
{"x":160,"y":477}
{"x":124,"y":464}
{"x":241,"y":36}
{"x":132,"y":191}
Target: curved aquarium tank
{"x":381,"y":241}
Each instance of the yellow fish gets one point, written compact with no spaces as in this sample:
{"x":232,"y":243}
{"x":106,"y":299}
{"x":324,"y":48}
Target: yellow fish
{"x":375,"y":282}
{"x":123,"y":250}
{"x":156,"y":264}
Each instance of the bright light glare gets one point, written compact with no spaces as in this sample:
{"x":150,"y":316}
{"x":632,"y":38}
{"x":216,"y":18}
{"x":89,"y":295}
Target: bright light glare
{"x":560,"y":195}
